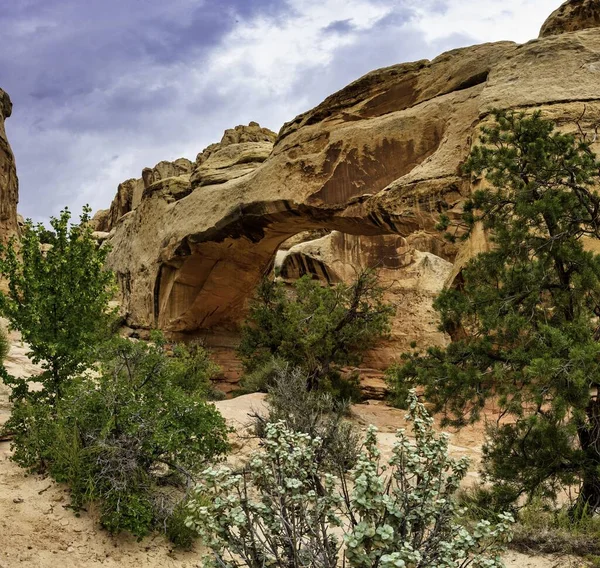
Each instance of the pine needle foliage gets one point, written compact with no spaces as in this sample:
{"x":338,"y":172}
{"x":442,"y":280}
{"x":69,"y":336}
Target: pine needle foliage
{"x":316,"y":328}
{"x":524,"y":318}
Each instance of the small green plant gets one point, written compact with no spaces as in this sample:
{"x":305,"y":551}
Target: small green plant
{"x":284,"y":510}
{"x":191,"y":368}
{"x":262,"y":376}
{"x":546,"y":528}
{"x":317,"y":328}
{"x":4,"y":345}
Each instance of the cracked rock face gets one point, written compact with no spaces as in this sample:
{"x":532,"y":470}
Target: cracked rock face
{"x":9,"y":183}
{"x":379,"y":159}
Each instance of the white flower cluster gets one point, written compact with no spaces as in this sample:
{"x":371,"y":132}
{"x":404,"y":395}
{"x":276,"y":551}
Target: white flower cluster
{"x":282,"y":511}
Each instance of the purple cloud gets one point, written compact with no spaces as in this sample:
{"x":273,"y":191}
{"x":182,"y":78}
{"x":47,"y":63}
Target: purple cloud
{"x":103,"y":88}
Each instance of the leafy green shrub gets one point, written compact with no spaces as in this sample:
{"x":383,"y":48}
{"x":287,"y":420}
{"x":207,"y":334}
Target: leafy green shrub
{"x":191,"y":368}
{"x":131,"y":437}
{"x":262,"y":377}
{"x":58,"y":299}
{"x":318,"y":414}
{"x":316,"y":328}
{"x":282,"y":510}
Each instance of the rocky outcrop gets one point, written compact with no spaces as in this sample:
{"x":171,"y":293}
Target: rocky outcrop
{"x":572,"y":16}
{"x":162,"y":170}
{"x":240,"y":151}
{"x":378,"y":161}
{"x":167,"y":176}
{"x":9,"y":183}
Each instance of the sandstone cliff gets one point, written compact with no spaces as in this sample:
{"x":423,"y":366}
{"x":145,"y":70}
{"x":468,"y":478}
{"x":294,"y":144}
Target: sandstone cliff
{"x":9,"y":183}
{"x":380,"y":157}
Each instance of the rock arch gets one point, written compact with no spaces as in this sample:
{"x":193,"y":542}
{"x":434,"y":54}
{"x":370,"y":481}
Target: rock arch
{"x":380,"y":157}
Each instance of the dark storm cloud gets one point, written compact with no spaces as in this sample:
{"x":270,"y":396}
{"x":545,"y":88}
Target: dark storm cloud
{"x":76,"y":68}
{"x":62,"y":49}
{"x":102,"y":88}
{"x":339,"y":26}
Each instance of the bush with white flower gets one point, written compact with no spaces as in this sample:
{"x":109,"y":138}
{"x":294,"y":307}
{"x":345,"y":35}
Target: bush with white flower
{"x":282,"y":510}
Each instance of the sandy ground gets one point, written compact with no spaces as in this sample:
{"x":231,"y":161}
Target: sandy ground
{"x":38,"y":530}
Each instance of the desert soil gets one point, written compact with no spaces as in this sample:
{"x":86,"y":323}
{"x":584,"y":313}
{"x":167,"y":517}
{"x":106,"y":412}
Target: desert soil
{"x":39,"y":530}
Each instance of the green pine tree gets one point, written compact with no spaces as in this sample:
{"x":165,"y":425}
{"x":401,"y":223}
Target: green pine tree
{"x":524,"y":318}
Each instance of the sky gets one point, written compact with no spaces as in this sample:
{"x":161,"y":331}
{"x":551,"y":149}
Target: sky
{"x":104,"y":88}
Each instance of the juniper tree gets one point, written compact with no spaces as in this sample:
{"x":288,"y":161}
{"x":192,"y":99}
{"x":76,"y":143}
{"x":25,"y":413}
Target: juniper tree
{"x":316,"y":328}
{"x":524,"y":318}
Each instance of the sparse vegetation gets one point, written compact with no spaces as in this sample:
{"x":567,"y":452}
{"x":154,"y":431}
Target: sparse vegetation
{"x":541,"y":526}
{"x":131,"y":437}
{"x":524,"y":316}
{"x":316,"y":328}
{"x":122,"y":423}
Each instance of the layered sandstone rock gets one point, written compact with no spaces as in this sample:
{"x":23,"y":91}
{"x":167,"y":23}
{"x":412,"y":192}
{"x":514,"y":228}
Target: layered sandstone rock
{"x":380,"y":157}
{"x":9,"y":183}
{"x":240,"y":151}
{"x":169,"y":175}
{"x":572,"y":16}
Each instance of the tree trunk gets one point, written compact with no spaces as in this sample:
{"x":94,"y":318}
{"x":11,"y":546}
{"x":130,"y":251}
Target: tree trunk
{"x":589,"y":438}
{"x":588,"y":501}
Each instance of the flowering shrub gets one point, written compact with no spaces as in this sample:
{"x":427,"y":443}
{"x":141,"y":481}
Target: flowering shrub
{"x":282,"y":510}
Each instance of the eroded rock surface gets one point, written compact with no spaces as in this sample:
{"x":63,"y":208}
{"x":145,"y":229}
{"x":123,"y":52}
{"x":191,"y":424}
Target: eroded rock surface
{"x":240,"y":151}
{"x":167,"y":176}
{"x":572,"y":16}
{"x":380,"y":157}
{"x":9,"y":183}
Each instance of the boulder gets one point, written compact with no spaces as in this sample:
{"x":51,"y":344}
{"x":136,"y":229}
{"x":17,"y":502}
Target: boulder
{"x":101,"y":220}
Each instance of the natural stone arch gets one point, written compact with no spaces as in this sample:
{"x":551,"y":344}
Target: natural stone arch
{"x":209,"y":278}
{"x":382,"y":156}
